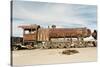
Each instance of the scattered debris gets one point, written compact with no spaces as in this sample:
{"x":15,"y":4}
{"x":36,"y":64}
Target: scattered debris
{"x":70,"y":52}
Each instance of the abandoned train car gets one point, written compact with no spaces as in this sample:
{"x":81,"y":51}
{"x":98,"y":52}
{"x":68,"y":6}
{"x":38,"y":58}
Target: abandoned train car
{"x":33,"y":34}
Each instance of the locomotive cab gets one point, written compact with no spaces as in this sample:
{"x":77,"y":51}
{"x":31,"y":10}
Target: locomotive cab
{"x":30,"y":35}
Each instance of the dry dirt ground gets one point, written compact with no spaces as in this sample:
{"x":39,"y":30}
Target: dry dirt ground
{"x":52,"y":56}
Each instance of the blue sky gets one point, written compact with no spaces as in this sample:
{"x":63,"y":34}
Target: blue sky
{"x":47,"y":14}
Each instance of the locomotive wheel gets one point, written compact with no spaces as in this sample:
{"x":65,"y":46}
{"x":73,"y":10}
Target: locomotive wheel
{"x":61,"y":46}
{"x":29,"y":46}
{"x":44,"y":47}
{"x":85,"y":45}
{"x":76,"y":46}
{"x":65,"y":47}
{"x":50,"y":47}
{"x":57,"y":47}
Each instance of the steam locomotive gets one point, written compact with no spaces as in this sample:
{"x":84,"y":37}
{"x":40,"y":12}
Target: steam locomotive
{"x":36,"y":36}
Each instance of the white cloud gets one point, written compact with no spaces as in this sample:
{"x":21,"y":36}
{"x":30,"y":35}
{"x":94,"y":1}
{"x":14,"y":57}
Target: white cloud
{"x":50,"y":13}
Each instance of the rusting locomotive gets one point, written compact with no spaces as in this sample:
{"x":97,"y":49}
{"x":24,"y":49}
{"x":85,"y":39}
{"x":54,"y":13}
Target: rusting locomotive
{"x":34,"y":35}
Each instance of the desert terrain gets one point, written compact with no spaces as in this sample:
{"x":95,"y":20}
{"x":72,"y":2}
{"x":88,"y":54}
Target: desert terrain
{"x":52,"y":56}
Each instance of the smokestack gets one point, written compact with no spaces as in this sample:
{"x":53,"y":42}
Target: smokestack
{"x":53,"y":26}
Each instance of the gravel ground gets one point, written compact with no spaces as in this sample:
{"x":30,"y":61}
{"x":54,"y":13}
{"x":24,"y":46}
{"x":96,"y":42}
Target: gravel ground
{"x":52,"y":56}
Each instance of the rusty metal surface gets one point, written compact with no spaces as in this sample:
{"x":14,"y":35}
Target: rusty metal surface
{"x":29,"y":37}
{"x":33,"y":26}
{"x":69,"y":32}
{"x":45,"y":34}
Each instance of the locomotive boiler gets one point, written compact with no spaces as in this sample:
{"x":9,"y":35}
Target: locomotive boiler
{"x":69,"y":32}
